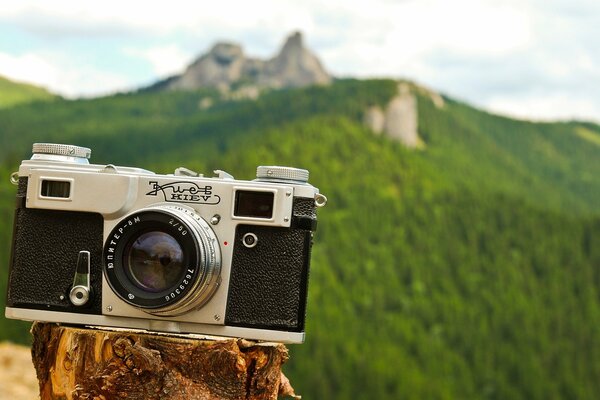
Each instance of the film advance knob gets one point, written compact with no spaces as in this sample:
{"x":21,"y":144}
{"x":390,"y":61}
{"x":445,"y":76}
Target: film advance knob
{"x":277,"y":173}
{"x":67,"y":150}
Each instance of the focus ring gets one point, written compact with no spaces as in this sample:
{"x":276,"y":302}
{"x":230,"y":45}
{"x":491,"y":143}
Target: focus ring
{"x":209,"y":263}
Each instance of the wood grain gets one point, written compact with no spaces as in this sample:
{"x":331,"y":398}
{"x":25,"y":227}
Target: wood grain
{"x":82,"y":363}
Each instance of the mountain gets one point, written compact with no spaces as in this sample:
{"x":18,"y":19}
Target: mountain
{"x":13,"y":93}
{"x":226,"y":66}
{"x":465,"y":268}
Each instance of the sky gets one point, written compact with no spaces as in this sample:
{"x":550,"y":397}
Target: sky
{"x":533,"y":59}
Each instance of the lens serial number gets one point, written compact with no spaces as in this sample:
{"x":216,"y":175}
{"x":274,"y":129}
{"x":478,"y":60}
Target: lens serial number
{"x":186,"y":280}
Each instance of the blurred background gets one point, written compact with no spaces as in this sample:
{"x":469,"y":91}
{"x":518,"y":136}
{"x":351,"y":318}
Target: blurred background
{"x":458,"y":144}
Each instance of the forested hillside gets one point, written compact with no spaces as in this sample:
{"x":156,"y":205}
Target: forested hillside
{"x":12,"y":93}
{"x":469,"y":269}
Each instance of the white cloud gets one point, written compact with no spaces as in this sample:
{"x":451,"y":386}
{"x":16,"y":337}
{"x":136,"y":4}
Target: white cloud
{"x":28,"y":67}
{"x":394,"y":39}
{"x":470,"y":25}
{"x":154,"y":17}
{"x":165,"y":60}
{"x":545,"y":106}
{"x":59,"y":75}
{"x":487,"y":51}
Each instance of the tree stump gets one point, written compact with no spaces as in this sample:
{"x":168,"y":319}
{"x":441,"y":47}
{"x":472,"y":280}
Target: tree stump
{"x":85,"y":363}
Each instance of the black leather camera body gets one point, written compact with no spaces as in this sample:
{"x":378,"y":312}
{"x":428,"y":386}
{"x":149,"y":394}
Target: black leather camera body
{"x":125,"y":247}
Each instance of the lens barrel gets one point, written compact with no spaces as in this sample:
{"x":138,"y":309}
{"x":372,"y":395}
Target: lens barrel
{"x":164,"y":259}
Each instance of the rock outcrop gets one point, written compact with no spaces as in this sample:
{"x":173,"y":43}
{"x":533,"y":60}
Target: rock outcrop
{"x":399,"y":120}
{"x":226,"y":66}
{"x":294,"y":66}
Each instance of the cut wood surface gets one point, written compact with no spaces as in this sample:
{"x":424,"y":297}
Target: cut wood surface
{"x":84,"y":363}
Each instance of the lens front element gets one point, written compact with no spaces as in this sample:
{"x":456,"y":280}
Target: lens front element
{"x":163,"y":259}
{"x":155,"y":261}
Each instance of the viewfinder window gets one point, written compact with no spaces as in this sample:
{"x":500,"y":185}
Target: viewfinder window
{"x":58,"y":189}
{"x":254,"y":204}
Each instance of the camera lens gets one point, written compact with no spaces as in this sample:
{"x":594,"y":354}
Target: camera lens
{"x":155,"y":261}
{"x":163,"y":259}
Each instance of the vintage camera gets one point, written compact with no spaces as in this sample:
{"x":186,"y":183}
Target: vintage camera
{"x":124,"y":247}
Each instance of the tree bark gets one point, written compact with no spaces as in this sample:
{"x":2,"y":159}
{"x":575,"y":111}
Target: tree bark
{"x":83,"y":363}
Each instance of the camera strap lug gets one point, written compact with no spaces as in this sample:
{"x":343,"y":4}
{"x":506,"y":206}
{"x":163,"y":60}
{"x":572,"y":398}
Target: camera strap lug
{"x":14,"y":178}
{"x":320,"y":200}
{"x":80,"y":292}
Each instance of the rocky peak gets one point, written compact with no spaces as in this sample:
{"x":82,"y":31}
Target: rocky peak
{"x":295,"y":40}
{"x":225,"y":53}
{"x":225,"y":65}
{"x":219,"y":67}
{"x":295,"y":66}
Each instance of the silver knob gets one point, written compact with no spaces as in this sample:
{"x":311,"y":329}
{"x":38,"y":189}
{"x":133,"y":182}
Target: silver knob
{"x":285,"y":174}
{"x":79,"y":295}
{"x":64,"y":150}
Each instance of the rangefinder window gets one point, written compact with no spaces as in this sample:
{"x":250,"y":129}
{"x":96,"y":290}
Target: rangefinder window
{"x":58,"y":189}
{"x":254,"y":204}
